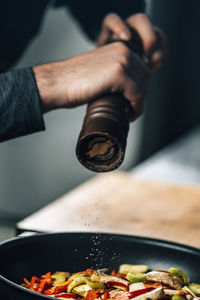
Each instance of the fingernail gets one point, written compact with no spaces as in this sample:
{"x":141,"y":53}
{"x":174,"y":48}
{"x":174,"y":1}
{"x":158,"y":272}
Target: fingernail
{"x":124,"y":35}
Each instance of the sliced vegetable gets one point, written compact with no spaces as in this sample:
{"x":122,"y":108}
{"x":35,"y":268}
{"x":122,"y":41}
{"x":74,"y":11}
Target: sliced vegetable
{"x":108,"y":278}
{"x":195,"y":288}
{"x":78,"y":275}
{"x":178,"y":297}
{"x":164,"y":277}
{"x":155,"y":285}
{"x":27,"y":282}
{"x":135,"y":277}
{"x":117,"y":285}
{"x":59,"y":277}
{"x":95,"y":285}
{"x":125,"y":268}
{"x":171,"y":292}
{"x":66,"y":295}
{"x":180,"y":274}
{"x":153,"y":294}
{"x":81,"y":290}
{"x":139,"y":292}
{"x":76,"y":282}
{"x":99,"y":285}
{"x":187,"y":289}
{"x":106,"y":295}
{"x":119,"y":295}
{"x":92,"y":295}
{"x":136,"y":286}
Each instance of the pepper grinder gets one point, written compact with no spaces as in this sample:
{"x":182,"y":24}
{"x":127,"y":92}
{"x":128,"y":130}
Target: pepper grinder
{"x":102,"y":141}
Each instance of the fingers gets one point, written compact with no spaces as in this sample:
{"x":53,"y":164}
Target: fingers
{"x":154,"y":40}
{"x":136,"y":85}
{"x":144,"y":27}
{"x":132,"y":79}
{"x":113,"y":25}
{"x":159,"y":54}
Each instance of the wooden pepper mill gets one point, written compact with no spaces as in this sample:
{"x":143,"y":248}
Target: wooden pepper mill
{"x":101,"y":144}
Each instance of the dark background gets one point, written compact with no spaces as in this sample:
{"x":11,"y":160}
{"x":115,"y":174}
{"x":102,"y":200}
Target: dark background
{"x":173,"y":105}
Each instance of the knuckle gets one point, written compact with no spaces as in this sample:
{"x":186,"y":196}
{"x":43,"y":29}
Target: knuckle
{"x":140,"y":17}
{"x":150,"y":41}
{"x":109,"y":17}
{"x":123,"y":50}
{"x":118,"y":69}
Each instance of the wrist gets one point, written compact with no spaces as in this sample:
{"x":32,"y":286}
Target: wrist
{"x":46,"y":83}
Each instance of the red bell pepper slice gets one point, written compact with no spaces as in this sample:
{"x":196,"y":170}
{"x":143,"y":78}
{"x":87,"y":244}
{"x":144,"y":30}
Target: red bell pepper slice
{"x":92,"y":295}
{"x":139,"y":292}
{"x":65,"y":295}
{"x":106,"y":295}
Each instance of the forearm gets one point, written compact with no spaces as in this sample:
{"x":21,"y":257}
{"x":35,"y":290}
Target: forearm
{"x":20,"y":111}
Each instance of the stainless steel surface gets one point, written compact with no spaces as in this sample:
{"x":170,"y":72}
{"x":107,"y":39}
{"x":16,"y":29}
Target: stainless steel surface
{"x":177,"y":163}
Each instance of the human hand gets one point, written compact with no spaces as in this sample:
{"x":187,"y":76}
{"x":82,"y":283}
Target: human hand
{"x":154,"y":40}
{"x":113,"y":68}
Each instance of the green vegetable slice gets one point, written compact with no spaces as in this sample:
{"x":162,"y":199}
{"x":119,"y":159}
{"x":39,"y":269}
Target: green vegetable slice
{"x":136,"y":277}
{"x":180,"y":274}
{"x":125,"y":268}
{"x":177,"y":297}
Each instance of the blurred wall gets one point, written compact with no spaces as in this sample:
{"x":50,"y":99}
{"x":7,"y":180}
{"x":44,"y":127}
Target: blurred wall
{"x":37,"y":169}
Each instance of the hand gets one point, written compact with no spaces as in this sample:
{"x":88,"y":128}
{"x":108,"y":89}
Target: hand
{"x":109,"y":69}
{"x":154,"y":40}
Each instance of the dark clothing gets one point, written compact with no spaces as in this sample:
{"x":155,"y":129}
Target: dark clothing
{"x":20,"y":20}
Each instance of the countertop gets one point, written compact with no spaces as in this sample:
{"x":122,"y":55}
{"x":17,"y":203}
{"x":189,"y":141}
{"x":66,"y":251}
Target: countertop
{"x":177,"y":163}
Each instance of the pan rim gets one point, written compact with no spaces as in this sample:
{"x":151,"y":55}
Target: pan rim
{"x":146,"y":240}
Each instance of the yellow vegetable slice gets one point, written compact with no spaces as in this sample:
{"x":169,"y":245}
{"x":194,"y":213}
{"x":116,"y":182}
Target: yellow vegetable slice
{"x":81,"y":290}
{"x":80,"y":280}
{"x":59,"y":277}
{"x":76,"y":282}
{"x":95,"y":285}
{"x":78,"y":275}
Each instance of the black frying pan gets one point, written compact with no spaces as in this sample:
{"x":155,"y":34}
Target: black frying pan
{"x":36,"y":255}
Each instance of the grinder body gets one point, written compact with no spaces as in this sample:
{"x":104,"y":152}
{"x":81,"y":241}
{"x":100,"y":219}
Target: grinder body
{"x":102,"y":141}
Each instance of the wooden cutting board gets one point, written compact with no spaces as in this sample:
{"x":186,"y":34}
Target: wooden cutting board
{"x":118,"y":203}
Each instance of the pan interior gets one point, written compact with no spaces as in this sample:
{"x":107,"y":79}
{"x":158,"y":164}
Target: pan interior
{"x":73,"y":252}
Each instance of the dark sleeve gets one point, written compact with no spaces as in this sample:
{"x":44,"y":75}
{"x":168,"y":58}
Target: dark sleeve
{"x":20,"y":109}
{"x":90,"y":13}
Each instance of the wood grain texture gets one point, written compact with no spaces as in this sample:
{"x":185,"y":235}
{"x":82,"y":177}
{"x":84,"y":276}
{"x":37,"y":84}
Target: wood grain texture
{"x":118,"y":203}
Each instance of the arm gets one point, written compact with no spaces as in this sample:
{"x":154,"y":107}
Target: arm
{"x":20,"y":111}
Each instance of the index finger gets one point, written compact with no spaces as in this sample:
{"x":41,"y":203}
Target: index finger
{"x":113,"y":25}
{"x":144,"y":27}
